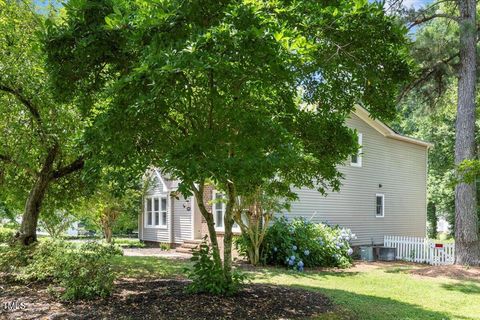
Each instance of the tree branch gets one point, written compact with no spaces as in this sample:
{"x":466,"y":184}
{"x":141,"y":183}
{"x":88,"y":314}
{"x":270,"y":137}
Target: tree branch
{"x":76,"y":165}
{"x":420,"y":20}
{"x":425,"y":74}
{"x":8,"y":159}
{"x":26,"y":102}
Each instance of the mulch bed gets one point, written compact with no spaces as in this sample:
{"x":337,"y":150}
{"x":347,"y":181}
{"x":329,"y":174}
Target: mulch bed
{"x":166,"y":299}
{"x":451,"y":271}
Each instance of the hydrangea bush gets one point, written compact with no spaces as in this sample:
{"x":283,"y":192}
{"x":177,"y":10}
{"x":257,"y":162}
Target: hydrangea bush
{"x":300,"y":243}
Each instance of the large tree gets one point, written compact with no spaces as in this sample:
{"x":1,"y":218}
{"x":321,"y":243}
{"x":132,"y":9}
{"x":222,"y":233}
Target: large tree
{"x":446,"y":50}
{"x":39,"y":138}
{"x":238,"y":93}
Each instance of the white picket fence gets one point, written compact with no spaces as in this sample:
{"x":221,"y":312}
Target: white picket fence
{"x":421,"y":250}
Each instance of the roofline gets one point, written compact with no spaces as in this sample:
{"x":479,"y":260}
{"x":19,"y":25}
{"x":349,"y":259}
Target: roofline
{"x":385,"y":130}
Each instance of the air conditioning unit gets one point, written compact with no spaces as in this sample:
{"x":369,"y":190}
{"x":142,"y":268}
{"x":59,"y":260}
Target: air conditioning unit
{"x":366,"y":254}
{"x":387,"y":254}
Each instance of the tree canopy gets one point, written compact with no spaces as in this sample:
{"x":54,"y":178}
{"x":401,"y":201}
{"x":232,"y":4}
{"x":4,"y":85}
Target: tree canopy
{"x":245,"y":94}
{"x":40,"y":139}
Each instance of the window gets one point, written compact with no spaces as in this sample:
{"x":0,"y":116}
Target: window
{"x":380,"y":205}
{"x":356,"y":159}
{"x":156,"y":212}
{"x":219,"y":213}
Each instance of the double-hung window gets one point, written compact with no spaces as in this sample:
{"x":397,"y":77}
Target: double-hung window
{"x":219,"y":207}
{"x":380,"y":205}
{"x":356,"y":159}
{"x":156,"y":212}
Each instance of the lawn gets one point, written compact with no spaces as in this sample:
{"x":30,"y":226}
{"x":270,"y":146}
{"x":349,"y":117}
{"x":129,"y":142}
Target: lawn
{"x":367,"y":291}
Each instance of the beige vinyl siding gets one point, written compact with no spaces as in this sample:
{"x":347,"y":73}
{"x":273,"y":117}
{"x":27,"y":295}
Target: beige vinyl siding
{"x":400,"y":167}
{"x":155,"y":233}
{"x":182,"y":220}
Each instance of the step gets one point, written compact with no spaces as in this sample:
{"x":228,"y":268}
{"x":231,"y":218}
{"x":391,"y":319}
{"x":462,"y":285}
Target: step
{"x":190,"y":245}
{"x":195,"y":241}
{"x":183,"y":250}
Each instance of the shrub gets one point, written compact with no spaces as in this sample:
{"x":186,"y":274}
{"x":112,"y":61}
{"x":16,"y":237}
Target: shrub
{"x":6,"y":235}
{"x":208,"y":277}
{"x":300,"y":243}
{"x":13,"y":258}
{"x":86,"y":272}
{"x":81,"y":270}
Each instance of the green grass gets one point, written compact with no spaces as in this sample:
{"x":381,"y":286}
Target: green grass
{"x":373,"y":293}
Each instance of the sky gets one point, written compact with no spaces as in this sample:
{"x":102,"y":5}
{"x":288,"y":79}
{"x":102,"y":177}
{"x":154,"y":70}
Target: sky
{"x":415,"y":3}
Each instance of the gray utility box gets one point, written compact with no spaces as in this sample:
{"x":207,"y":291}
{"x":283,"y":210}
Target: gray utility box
{"x":387,"y":254}
{"x":366,"y":254}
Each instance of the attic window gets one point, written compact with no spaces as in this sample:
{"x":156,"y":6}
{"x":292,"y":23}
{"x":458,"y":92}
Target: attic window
{"x":356,"y":159}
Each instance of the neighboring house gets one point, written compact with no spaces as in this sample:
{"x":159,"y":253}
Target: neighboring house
{"x":383,"y":193}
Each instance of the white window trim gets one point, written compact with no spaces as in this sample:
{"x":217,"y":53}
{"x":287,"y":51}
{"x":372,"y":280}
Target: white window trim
{"x":359,"y":152}
{"x":382,"y":195}
{"x":214,"y":212}
{"x":145,"y":218}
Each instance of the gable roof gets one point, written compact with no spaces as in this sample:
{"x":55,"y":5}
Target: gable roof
{"x":385,"y":130}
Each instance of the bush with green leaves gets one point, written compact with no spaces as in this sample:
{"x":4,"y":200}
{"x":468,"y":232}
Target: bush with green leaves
{"x":6,"y":234}
{"x":299,"y":243}
{"x":208,"y":277}
{"x":86,"y":272}
{"x":83,"y":271}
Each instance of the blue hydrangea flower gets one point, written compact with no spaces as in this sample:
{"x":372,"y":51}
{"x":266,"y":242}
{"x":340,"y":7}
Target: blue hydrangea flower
{"x":300,"y":269}
{"x":350,"y":251}
{"x":294,"y":248}
{"x":290,"y":262}
{"x":336,"y":256}
{"x":300,"y":264}
{"x":340,"y":244}
{"x":292,"y":258}
{"x":306,"y":252}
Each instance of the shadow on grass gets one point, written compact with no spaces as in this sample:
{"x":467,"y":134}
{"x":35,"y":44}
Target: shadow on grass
{"x":148,"y":267}
{"x":402,"y":269}
{"x":360,"y":306}
{"x":267,"y":272}
{"x":468,"y":288}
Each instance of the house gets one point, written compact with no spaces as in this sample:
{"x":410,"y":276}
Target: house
{"x":383,"y":193}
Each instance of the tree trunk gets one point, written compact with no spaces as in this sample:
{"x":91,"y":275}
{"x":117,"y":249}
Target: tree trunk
{"x":108,"y":235}
{"x":227,"y":237}
{"x":210,"y":223}
{"x":467,"y":245}
{"x":28,"y":229}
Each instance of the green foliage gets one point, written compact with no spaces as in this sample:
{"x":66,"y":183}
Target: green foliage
{"x":432,"y":220}
{"x":208,"y":277}
{"x":165,"y":246}
{"x":233,"y":92}
{"x":299,"y":243}
{"x":33,"y":123}
{"x":6,"y":234}
{"x":83,"y":271}
{"x":86,"y":272}
{"x":128,"y":243}
{"x":56,"y":222}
